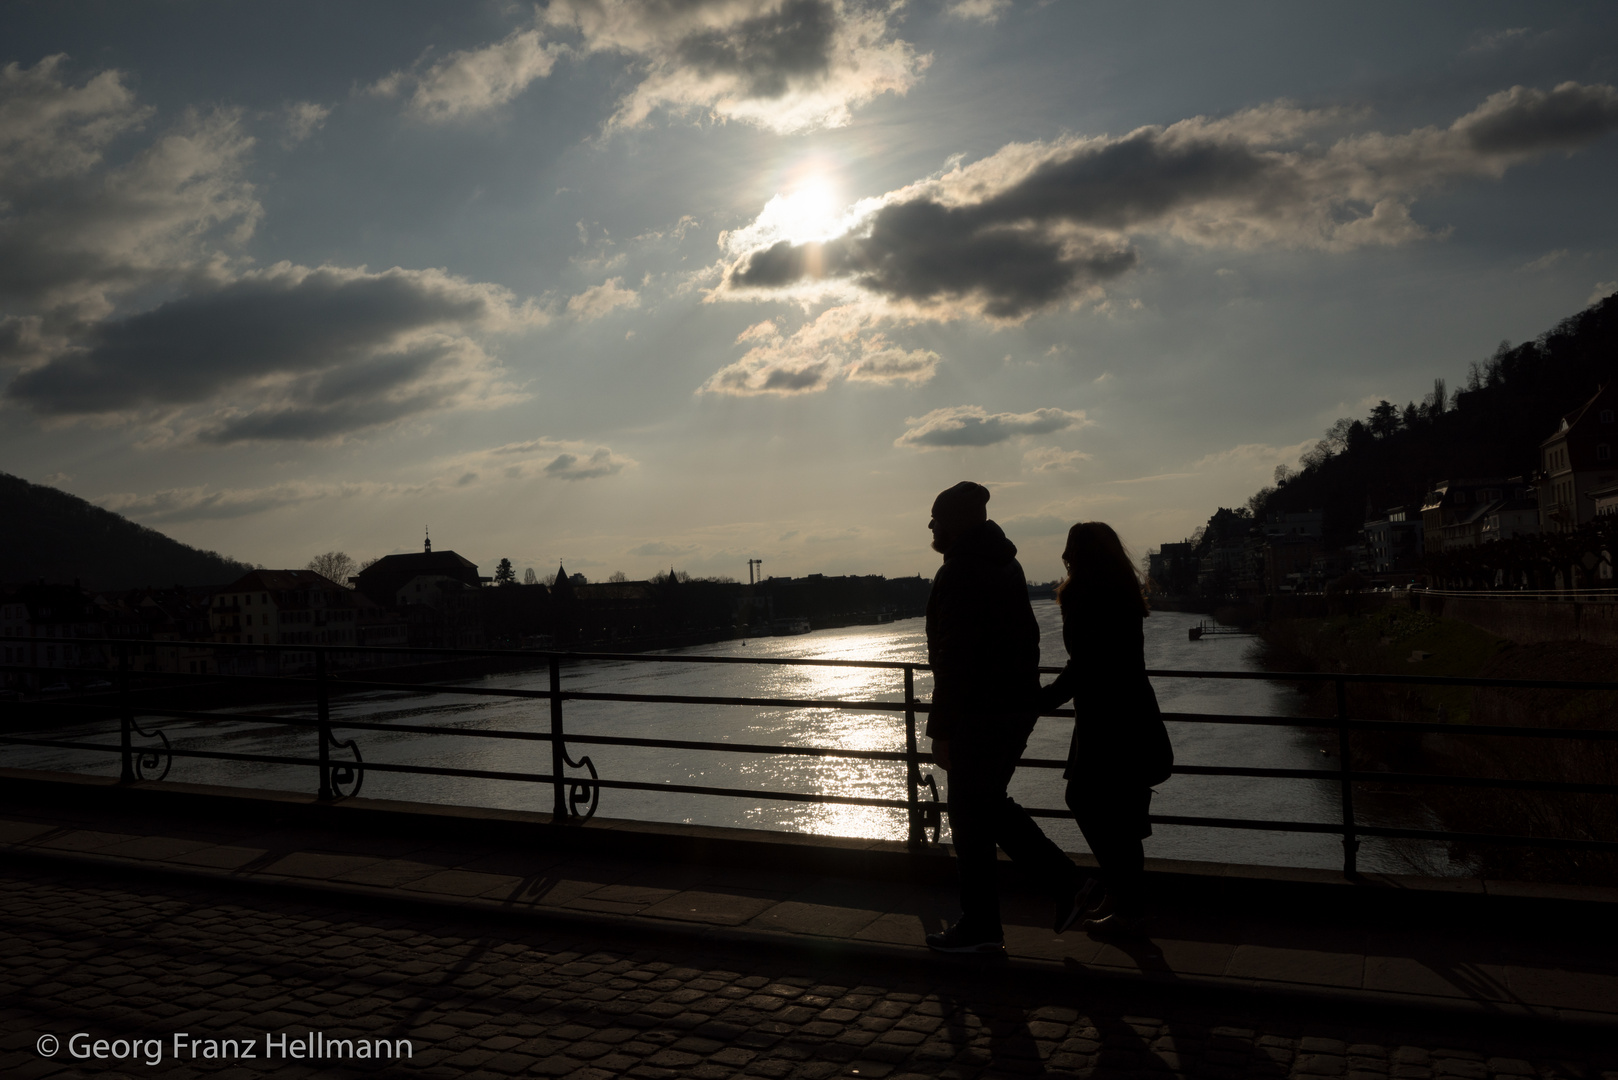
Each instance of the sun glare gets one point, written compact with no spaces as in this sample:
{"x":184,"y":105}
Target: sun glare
{"x":810,"y":209}
{"x":808,"y":213}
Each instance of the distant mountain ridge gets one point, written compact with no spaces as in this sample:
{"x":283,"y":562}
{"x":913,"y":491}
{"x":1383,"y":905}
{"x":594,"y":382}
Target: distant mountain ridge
{"x":59,"y":537}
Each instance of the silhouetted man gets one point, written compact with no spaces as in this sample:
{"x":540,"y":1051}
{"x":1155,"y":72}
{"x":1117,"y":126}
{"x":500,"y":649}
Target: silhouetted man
{"x":983,"y":645}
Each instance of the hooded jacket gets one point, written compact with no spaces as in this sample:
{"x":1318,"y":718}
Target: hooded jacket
{"x":982,"y":638}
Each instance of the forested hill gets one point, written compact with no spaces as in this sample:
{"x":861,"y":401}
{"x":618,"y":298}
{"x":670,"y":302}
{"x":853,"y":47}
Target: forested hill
{"x":1492,"y":427}
{"x":59,"y":537}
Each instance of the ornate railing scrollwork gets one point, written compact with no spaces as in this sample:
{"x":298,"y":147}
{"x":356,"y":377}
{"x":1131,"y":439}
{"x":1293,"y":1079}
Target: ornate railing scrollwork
{"x":582,"y":792}
{"x":931,"y":816}
{"x":348,"y":772}
{"x":149,"y":757}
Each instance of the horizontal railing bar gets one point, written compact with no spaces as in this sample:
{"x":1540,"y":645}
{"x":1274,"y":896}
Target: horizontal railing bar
{"x":1240,"y":718}
{"x":627,"y":740}
{"x":1561,"y":843}
{"x":1367,"y":677}
{"x":1452,"y":780}
{"x":757,"y":703}
{"x":747,"y":748}
{"x":1243,"y":770}
{"x":1332,"y":828}
{"x":1517,"y":732}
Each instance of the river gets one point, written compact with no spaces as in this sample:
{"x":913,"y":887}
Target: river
{"x":1167,"y":648}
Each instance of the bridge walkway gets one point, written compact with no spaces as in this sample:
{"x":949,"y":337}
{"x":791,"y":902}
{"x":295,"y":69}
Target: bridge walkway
{"x":499,"y":944}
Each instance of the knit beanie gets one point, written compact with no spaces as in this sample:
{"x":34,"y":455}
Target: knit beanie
{"x":961,"y":507}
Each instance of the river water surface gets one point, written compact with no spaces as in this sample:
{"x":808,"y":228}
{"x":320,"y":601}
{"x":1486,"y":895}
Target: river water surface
{"x":1167,"y":648}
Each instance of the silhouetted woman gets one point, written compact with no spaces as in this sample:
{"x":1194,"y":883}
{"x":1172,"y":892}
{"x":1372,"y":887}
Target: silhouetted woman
{"x":1120,"y":748}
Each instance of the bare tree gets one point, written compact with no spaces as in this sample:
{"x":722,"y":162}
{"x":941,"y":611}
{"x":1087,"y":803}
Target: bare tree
{"x":529,"y":577}
{"x":617,"y":576}
{"x":333,"y":566}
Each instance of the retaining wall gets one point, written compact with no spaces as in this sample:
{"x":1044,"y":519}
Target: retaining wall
{"x":1529,"y":621}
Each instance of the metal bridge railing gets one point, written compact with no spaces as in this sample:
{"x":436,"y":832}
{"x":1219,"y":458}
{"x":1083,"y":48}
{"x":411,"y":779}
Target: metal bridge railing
{"x":576,"y":795}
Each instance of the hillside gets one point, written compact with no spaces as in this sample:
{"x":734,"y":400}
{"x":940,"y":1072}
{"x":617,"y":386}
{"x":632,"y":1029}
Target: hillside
{"x":1492,"y":427}
{"x":59,"y":537}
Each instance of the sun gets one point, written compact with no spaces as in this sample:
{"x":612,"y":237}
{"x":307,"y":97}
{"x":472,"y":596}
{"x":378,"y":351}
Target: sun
{"x":809,"y":211}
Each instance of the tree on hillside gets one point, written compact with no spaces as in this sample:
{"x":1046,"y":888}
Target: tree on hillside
{"x":1493,"y":427}
{"x":1384,"y":419}
{"x":505,"y":574}
{"x":334,"y":566}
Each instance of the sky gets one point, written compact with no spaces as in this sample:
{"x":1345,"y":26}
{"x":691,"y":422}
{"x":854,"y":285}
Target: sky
{"x":633,"y":284}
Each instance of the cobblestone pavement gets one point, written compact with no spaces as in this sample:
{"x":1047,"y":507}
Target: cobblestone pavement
{"x":139,"y":960}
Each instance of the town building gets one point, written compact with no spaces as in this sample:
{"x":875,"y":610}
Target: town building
{"x":1450,"y":514}
{"x":382,"y":580}
{"x":1393,"y":542}
{"x":282,"y":607}
{"x":72,"y":624}
{"x":1514,"y":516}
{"x":1577,"y":459}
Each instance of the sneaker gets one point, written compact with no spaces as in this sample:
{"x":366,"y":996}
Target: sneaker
{"x":1070,"y":912}
{"x":961,"y":938}
{"x":1106,"y":919}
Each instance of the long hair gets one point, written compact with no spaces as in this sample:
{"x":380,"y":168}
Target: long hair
{"x":1099,"y":570}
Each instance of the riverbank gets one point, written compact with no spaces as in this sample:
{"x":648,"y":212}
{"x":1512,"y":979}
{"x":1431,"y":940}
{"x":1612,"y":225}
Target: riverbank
{"x":1400,"y":641}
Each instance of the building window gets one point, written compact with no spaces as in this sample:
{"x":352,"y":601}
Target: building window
{"x":1603,"y":452}
{"x":1606,"y":416}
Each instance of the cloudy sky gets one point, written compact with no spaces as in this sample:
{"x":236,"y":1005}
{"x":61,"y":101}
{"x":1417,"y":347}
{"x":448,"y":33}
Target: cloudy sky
{"x":633,"y":283}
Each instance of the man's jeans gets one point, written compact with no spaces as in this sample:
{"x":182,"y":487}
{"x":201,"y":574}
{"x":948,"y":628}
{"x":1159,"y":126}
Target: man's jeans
{"x":983,"y":755}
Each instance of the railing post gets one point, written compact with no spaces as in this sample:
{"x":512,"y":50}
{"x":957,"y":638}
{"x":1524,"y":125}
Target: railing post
{"x":323,"y":723}
{"x":126,"y":717}
{"x":1351,"y":843}
{"x":918,"y":834}
{"x":559,"y":811}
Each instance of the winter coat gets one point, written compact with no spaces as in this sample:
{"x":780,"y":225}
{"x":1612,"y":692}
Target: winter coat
{"x":982,"y":638}
{"x":1118,"y":736}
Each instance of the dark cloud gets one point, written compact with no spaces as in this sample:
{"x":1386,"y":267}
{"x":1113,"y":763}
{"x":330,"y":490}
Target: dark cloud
{"x":1523,"y":120}
{"x":190,"y":349}
{"x":789,"y":65}
{"x":784,"y":379}
{"x":924,"y":251}
{"x":1037,"y":223}
{"x":326,"y":351}
{"x":603,"y":462}
{"x":972,"y":425}
{"x":319,"y":422}
{"x":768,"y":52}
